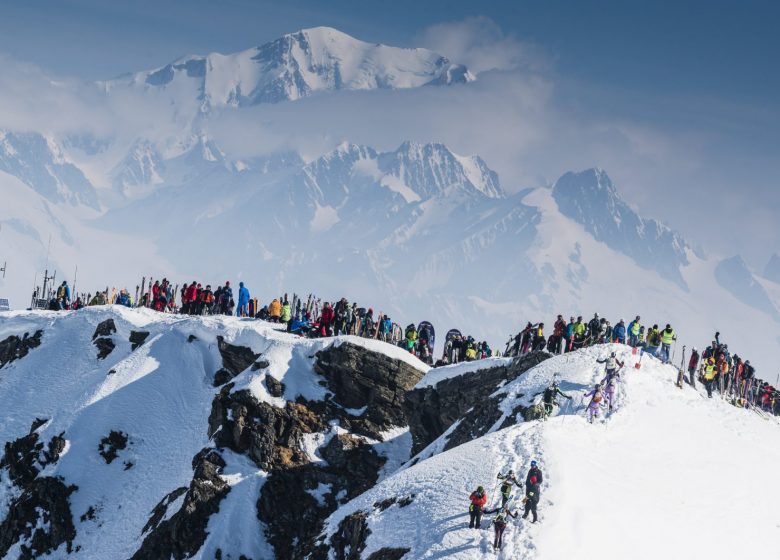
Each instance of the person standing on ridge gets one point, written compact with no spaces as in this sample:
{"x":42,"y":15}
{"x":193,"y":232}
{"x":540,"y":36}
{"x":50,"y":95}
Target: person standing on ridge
{"x":242,"y":310}
{"x":534,"y":471}
{"x":531,"y":498}
{"x":559,"y":332}
{"x":668,"y":336}
{"x":619,"y":332}
{"x":226,"y":298}
{"x":709,"y":375}
{"x":693,"y":363}
{"x":478,"y":500}
{"x":633,"y":332}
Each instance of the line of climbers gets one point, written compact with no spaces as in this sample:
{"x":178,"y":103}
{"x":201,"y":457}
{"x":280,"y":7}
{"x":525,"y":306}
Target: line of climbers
{"x":503,"y":512}
{"x":577,"y":334}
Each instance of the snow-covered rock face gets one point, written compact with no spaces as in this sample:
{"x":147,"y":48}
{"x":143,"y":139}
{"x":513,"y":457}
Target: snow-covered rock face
{"x":772,"y":269}
{"x":136,"y":434}
{"x":590,"y":199}
{"x":39,"y":162}
{"x":298,"y":65}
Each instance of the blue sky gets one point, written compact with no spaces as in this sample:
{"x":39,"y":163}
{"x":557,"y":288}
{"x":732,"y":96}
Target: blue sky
{"x":688,"y":75}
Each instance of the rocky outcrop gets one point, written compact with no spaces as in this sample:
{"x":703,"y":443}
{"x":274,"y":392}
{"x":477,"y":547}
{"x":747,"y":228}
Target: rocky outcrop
{"x":388,"y":554}
{"x":433,"y":410}
{"x":14,"y":347}
{"x":298,"y":495}
{"x":111,"y":445}
{"x":26,"y":456}
{"x":137,"y":338}
{"x":235,"y":359}
{"x":102,"y":338}
{"x":350,"y":539}
{"x":183,"y":534}
{"x":40,"y":517}
{"x":361,"y":379}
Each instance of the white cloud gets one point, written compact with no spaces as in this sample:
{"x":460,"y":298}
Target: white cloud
{"x":479,"y":43}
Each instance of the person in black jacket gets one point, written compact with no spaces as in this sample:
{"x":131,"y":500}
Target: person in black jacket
{"x":534,"y":471}
{"x":531,"y":498}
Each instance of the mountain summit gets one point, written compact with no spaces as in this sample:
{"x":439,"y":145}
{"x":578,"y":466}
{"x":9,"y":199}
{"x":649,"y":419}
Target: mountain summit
{"x":298,"y":65}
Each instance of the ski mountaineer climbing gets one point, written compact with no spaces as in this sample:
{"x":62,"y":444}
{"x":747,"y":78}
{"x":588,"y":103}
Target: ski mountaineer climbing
{"x":595,"y":402}
{"x":508,"y":480}
{"x":612,"y":364}
{"x":549,"y":398}
{"x":478,"y":500}
{"x":499,"y":524}
{"x":243,"y":301}
{"x":531,"y":499}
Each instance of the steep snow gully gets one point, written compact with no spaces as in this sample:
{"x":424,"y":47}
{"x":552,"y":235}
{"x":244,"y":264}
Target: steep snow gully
{"x":130,"y":434}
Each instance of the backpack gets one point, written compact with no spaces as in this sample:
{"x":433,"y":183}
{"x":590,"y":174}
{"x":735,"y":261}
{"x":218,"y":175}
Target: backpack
{"x":60,"y":292}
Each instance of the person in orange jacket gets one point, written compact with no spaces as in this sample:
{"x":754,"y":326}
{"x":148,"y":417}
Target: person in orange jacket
{"x":274,"y":311}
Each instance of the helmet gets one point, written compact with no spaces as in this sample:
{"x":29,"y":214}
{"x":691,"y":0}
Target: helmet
{"x":533,"y":463}
{"x":480,"y":489}
{"x":510,"y":473}
{"x":613,"y":354}
{"x":694,"y":349}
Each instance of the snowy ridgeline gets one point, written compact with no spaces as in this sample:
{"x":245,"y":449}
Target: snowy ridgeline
{"x":153,"y":452}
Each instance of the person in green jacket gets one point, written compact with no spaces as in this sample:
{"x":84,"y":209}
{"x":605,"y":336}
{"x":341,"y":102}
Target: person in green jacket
{"x":286,"y":312}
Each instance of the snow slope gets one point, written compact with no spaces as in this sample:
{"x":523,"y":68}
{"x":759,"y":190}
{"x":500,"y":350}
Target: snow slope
{"x":668,"y":471}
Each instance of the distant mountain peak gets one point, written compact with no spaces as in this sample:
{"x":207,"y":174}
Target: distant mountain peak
{"x":590,"y":198}
{"x":297,"y":65}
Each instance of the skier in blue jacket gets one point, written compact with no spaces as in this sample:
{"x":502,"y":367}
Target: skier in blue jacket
{"x":243,"y":301}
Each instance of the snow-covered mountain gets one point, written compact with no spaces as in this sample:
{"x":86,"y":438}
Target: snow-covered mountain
{"x":294,"y":66}
{"x":38,"y":161}
{"x":590,"y":199}
{"x":132,"y":434}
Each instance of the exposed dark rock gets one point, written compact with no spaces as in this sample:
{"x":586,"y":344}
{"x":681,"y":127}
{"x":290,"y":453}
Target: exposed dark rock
{"x":111,"y":372}
{"x":137,"y":338}
{"x":161,"y":509}
{"x":105,"y":346}
{"x":382,"y":505}
{"x":14,"y":348}
{"x":184,"y":533}
{"x":388,"y":554}
{"x":106,"y":328}
{"x":128,"y":465}
{"x":192,"y":338}
{"x":359,"y":378}
{"x":222,"y":376}
{"x":235,"y":359}
{"x":350,"y":538}
{"x":25,"y":457}
{"x":88,"y":515}
{"x":260,"y":364}
{"x":432,"y":410}
{"x":274,"y":386}
{"x":111,"y":445}
{"x":40,"y":516}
